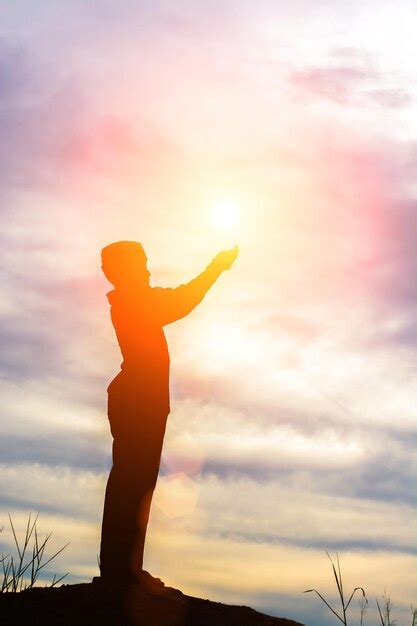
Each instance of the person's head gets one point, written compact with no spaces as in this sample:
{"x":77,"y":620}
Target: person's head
{"x":124,"y":264}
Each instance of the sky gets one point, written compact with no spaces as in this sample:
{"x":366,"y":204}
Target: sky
{"x":293,"y":385}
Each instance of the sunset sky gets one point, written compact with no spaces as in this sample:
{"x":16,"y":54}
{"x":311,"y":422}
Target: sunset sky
{"x":293,"y":385}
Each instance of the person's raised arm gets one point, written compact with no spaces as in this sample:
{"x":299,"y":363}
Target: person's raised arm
{"x":173,"y":304}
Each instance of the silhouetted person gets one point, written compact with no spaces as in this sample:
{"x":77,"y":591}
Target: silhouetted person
{"x":138,"y":397}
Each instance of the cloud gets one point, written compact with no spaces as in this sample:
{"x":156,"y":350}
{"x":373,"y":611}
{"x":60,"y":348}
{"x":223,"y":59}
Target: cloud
{"x":34,"y":486}
{"x":351,"y":77}
{"x":391,"y":98}
{"x":332,"y":83}
{"x":214,"y":440}
{"x":33,"y":130}
{"x":56,"y":449}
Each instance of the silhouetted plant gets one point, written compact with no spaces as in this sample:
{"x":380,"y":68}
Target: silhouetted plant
{"x":339,"y":583}
{"x":386,"y":611}
{"x":413,"y":616}
{"x":22,"y":571}
{"x":363,"y":607}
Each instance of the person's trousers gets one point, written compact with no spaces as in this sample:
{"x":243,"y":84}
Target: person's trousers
{"x":138,"y":430}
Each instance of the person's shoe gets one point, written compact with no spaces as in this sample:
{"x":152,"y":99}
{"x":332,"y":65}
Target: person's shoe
{"x":150,"y":584}
{"x":116,"y":581}
{"x":143,"y":581}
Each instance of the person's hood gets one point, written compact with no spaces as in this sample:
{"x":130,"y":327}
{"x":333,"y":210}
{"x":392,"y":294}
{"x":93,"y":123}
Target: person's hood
{"x":112,"y":296}
{"x":119,"y":296}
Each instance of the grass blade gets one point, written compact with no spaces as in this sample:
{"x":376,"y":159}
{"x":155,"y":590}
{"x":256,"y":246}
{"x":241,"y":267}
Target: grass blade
{"x":325,"y":602}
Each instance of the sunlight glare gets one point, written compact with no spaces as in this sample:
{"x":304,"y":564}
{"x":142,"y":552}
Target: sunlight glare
{"x":225,"y":214}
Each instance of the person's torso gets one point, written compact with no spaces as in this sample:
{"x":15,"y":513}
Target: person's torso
{"x":143,"y":345}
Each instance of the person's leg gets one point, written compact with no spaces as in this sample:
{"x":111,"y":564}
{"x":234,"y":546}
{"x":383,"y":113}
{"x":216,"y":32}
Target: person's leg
{"x":143,"y":512}
{"x":127,"y":504}
{"x":117,"y":533}
{"x":119,"y":527}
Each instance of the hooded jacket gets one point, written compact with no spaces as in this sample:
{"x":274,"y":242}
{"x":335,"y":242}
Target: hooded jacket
{"x":138,"y":317}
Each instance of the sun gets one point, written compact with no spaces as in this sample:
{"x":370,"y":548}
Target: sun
{"x":225,"y":214}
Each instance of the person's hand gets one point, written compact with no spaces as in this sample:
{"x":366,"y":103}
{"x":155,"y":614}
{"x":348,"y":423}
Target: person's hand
{"x":225,"y":259}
